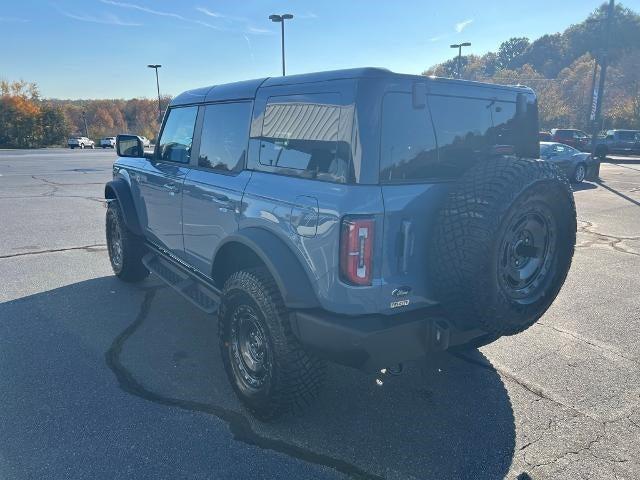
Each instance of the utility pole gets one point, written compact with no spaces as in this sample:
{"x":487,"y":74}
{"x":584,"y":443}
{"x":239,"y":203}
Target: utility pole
{"x":156,"y":67}
{"x":84,"y":120}
{"x":459,"y":47}
{"x":280,"y":19}
{"x":599,"y":94}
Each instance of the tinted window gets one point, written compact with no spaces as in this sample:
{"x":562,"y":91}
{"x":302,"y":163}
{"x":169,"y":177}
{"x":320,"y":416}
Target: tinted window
{"x":408,"y":146}
{"x":225,"y":133}
{"x":177,"y":135}
{"x":300,"y":136}
{"x":470,"y":129}
{"x":628,"y":136}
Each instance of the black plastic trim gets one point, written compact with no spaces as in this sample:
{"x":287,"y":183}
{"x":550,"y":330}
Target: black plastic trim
{"x":122,"y":193}
{"x":372,"y":342}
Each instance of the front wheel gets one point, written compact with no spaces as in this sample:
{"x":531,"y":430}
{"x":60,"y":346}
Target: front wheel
{"x":579,"y":173}
{"x":125,"y":248}
{"x":269,"y":370}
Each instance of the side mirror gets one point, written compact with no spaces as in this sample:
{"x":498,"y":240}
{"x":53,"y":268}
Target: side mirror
{"x":129,"y":146}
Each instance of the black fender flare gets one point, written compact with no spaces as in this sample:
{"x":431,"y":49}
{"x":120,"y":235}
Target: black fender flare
{"x":119,"y":190}
{"x":285,"y":268}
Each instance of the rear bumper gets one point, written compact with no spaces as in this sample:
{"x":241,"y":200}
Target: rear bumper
{"x":372,"y":342}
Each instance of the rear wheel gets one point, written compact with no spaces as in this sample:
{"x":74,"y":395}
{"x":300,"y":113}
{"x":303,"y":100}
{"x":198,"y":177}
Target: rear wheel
{"x":82,"y":146}
{"x":503,"y":245}
{"x":269,"y":370}
{"x":125,"y":248}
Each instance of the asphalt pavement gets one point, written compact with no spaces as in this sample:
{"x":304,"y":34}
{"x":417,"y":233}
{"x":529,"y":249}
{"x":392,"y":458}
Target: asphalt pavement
{"x":101,"y":379}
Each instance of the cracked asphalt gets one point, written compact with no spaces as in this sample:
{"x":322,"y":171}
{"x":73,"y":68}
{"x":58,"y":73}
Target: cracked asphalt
{"x":100,"y":379}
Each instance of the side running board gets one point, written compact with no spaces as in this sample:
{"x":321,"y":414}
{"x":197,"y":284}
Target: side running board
{"x":197,"y":291}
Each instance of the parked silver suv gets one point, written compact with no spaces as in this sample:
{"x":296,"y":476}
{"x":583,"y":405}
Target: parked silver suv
{"x":80,"y":142}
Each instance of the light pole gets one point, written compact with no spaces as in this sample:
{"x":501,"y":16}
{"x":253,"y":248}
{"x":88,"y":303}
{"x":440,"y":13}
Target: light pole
{"x":280,"y":19}
{"x":84,"y":120}
{"x":459,"y":47}
{"x":156,"y":67}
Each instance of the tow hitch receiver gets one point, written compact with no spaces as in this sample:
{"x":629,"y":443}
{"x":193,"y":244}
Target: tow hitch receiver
{"x":438,"y":335}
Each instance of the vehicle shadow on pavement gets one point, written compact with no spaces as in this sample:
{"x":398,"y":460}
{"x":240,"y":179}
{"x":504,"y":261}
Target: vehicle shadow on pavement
{"x":618,"y":193}
{"x":450,"y":417}
{"x":583,"y":186}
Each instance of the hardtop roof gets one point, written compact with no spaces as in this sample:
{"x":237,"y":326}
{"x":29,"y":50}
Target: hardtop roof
{"x":247,"y":89}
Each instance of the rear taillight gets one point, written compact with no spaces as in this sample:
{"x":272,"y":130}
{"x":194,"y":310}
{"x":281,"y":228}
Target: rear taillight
{"x":356,"y":250}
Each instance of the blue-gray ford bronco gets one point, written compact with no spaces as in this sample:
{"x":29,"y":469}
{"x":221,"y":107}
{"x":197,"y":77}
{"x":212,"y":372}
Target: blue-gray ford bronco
{"x":357,"y":216}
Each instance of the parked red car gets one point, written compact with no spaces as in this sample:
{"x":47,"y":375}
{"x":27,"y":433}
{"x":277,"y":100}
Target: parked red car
{"x":572,"y":137}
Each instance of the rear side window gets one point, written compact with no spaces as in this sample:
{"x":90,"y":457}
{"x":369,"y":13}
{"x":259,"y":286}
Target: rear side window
{"x":466,"y":130}
{"x":408,"y":144}
{"x":225,"y":134}
{"x":469,"y":130}
{"x":177,"y":135}
{"x":300,"y":137}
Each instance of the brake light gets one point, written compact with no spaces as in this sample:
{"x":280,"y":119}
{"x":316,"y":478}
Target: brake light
{"x":356,"y":250}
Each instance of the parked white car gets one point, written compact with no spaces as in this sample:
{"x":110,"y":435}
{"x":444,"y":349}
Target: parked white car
{"x":145,"y":142}
{"x":108,"y":142}
{"x":81,"y":142}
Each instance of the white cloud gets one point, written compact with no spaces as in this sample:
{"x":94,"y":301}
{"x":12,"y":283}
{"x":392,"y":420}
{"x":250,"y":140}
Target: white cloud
{"x":159,"y":13}
{"x":259,"y":31}
{"x":249,"y":46}
{"x":460,"y":26}
{"x":209,"y":13}
{"x":140,"y":8}
{"x":107,"y":19}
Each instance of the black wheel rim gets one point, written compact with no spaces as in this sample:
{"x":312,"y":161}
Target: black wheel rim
{"x":580,"y":173}
{"x":114,"y":243}
{"x":526,"y":255}
{"x":250,"y":351}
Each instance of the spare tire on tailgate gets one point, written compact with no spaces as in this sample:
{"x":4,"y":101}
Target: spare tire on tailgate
{"x":503,"y":244}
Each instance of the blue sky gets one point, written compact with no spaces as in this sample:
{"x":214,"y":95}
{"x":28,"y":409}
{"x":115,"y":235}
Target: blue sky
{"x":100,"y":48}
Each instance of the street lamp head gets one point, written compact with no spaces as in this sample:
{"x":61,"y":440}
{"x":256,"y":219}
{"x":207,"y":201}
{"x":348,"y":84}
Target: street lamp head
{"x":280,"y":18}
{"x":455,"y":45}
{"x":465,"y":44}
{"x":154,"y":66}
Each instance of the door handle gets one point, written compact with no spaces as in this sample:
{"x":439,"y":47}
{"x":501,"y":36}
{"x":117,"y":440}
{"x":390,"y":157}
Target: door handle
{"x":171,"y":188}
{"x":220,"y":199}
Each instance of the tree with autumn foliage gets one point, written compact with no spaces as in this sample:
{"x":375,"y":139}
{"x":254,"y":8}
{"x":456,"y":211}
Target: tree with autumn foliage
{"x":27,"y":121}
{"x":560,"y":66}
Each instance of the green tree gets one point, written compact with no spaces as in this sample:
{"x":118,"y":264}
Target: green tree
{"x":55,"y":127}
{"x":511,"y":52}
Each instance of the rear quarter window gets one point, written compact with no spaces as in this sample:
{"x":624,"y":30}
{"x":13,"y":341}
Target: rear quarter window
{"x":300,"y":137}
